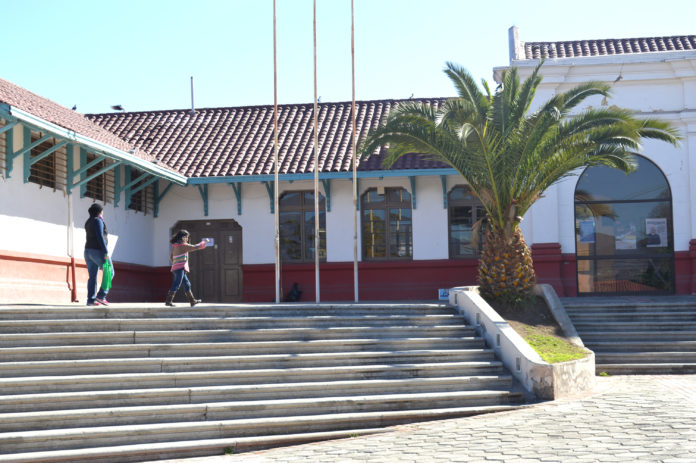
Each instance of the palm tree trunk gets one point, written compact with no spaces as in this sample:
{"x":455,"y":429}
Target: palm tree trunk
{"x":506,"y":271}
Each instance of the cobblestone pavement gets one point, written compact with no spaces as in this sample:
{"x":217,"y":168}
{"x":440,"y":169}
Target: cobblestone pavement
{"x":625,"y":419}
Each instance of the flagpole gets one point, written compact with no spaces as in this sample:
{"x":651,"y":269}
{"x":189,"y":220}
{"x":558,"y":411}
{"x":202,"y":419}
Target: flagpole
{"x":355,"y":155}
{"x":276,"y":239}
{"x":316,"y":166}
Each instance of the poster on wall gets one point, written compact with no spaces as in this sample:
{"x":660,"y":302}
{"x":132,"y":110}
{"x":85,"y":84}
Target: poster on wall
{"x":655,"y":232}
{"x":625,"y":236}
{"x":587,"y":231}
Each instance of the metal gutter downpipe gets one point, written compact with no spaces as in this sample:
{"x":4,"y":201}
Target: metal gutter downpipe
{"x":355,"y":157}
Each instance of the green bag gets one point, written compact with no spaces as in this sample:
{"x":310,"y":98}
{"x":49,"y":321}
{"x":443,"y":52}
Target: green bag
{"x":107,"y":275}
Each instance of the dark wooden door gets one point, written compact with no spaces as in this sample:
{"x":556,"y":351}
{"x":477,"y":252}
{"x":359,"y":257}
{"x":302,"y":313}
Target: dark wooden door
{"x":216,"y":272}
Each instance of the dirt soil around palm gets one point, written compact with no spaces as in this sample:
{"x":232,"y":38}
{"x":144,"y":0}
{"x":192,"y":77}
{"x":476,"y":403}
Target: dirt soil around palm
{"x":533,"y":315}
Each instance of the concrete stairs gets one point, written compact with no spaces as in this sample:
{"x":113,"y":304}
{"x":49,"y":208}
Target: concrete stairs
{"x":637,"y":335}
{"x":141,"y":382}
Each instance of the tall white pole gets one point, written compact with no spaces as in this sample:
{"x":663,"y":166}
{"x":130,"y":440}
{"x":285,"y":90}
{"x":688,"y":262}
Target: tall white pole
{"x":316,"y":166}
{"x":275,"y":160}
{"x":355,"y":157}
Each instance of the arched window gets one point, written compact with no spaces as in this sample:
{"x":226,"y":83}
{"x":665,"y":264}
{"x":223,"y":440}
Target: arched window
{"x":463,"y":211}
{"x":623,"y":231}
{"x":386,"y":224}
{"x":297,"y":226}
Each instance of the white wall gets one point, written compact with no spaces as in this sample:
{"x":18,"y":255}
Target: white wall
{"x":35,"y":220}
{"x":657,"y":85}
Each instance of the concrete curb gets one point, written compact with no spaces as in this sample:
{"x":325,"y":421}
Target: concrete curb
{"x":544,"y":380}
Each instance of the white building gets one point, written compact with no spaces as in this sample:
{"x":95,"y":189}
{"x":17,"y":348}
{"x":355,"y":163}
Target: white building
{"x":211,"y":171}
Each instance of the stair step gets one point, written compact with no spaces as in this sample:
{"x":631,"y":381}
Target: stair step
{"x":240,"y":362}
{"x":74,"y":438}
{"x":135,"y":311}
{"x":219,"y":411}
{"x":600,"y":335}
{"x":228,"y":348}
{"x":102,"y":382}
{"x":645,"y":368}
{"x":641,"y":346}
{"x":137,"y":453}
{"x":224,"y":393}
{"x":241,"y":323}
{"x":223,"y":335}
{"x":634,"y":326}
{"x":645,"y":357}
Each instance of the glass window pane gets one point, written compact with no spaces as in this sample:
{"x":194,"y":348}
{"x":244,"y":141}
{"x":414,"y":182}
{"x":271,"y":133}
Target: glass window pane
{"x":373,"y":197}
{"x":290,"y":228}
{"x":621,"y":229}
{"x":373,"y":233}
{"x":400,"y":233}
{"x":628,"y":276}
{"x":462,"y":193}
{"x":602,"y":183}
{"x":290,"y":198}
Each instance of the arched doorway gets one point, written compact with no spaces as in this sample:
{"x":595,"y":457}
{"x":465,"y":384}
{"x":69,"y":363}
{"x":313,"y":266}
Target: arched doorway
{"x":624,"y":240}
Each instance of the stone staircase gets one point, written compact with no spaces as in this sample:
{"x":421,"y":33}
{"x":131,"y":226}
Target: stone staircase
{"x":637,"y":335}
{"x":139,"y":382}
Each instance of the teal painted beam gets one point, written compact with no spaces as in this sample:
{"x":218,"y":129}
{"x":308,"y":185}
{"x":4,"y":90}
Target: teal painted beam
{"x":131,"y":183}
{"x":413,"y":191}
{"x":237,"y":188}
{"x":8,"y":126}
{"x":443,"y":180}
{"x":159,"y":197}
{"x":84,"y":166}
{"x":9,"y":152}
{"x":28,"y":145}
{"x":47,"y":152}
{"x":26,"y":142}
{"x":325,"y":175}
{"x":41,"y":125}
{"x":117,"y":185}
{"x":69,"y":153}
{"x":83,"y":181}
{"x":327,"y":192}
{"x":269,"y":189}
{"x":143,"y":185}
{"x":203,"y":190}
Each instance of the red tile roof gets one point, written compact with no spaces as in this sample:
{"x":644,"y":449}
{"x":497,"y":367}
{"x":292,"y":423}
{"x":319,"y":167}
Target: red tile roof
{"x":577,"y":48}
{"x":47,"y":110}
{"x":217,"y":142}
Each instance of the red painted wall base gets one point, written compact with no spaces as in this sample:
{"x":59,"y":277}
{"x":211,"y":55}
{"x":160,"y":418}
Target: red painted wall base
{"x":30,"y":278}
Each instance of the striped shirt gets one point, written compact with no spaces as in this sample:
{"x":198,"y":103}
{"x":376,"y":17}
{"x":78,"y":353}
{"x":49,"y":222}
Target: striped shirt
{"x":179,"y":254}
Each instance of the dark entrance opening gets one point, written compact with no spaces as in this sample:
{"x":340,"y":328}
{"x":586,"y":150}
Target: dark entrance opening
{"x":216,"y":272}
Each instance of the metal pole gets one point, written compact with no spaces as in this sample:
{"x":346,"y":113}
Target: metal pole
{"x":355,"y":157}
{"x":316,"y":166}
{"x":275,"y":161}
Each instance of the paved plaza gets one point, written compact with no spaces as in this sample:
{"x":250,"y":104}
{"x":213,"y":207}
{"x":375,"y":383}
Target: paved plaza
{"x":625,"y":419}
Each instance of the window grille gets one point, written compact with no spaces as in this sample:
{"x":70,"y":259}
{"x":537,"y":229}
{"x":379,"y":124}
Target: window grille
{"x":51,"y":171}
{"x":100,"y":188}
{"x":143,"y":200}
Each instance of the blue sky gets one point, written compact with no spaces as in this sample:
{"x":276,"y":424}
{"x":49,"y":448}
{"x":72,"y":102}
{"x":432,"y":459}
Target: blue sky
{"x":141,"y":53}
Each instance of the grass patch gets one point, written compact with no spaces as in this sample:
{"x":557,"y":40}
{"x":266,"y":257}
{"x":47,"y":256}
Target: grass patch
{"x":533,"y":320}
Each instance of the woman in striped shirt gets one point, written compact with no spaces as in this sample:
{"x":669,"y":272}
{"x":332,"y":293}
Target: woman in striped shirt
{"x":178,"y":256}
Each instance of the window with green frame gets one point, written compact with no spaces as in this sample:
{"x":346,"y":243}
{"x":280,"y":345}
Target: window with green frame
{"x":296,"y":217}
{"x":386,"y":224}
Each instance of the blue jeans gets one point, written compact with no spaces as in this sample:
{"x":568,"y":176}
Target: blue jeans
{"x":94,"y":258}
{"x":180,"y":277}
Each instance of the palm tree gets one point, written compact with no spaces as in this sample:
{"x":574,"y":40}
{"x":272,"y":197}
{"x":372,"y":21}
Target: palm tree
{"x":509,"y":156}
